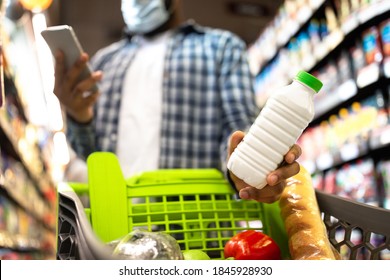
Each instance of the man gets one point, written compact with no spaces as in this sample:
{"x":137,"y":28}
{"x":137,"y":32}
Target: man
{"x":173,"y":95}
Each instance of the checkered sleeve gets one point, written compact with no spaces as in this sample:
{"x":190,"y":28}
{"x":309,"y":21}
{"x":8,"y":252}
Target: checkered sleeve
{"x":81,"y":137}
{"x":237,"y":91}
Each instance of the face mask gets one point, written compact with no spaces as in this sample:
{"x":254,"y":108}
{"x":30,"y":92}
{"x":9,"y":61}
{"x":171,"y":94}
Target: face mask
{"x":144,"y":16}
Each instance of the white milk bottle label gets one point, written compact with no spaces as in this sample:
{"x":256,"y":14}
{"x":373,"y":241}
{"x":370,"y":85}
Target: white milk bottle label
{"x":286,"y":114}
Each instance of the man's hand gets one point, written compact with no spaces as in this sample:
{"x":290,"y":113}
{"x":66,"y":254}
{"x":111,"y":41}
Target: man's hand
{"x":72,"y":94}
{"x":276,"y":180}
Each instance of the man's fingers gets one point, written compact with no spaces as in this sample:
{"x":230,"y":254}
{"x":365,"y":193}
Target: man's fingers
{"x":59,"y":68}
{"x":74,"y":72}
{"x":283,"y":173}
{"x":91,"y":99}
{"x":293,"y":154}
{"x":83,"y":88}
{"x":235,"y":139}
{"x":268,"y":194}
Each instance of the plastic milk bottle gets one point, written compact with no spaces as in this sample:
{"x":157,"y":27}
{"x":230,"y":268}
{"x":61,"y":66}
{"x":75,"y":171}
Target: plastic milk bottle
{"x":285,"y":115}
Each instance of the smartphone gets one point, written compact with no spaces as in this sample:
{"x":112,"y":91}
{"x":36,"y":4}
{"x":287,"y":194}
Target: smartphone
{"x":64,"y":38}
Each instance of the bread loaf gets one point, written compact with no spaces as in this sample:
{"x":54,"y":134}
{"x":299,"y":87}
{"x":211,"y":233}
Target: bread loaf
{"x":307,"y":236}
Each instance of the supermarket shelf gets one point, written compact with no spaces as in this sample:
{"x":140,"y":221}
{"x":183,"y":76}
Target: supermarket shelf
{"x":346,"y":94}
{"x":304,"y":16}
{"x":18,"y":243}
{"x":332,"y":100}
{"x":364,"y":19}
{"x":348,"y":153}
{"x":336,"y":40}
{"x":27,"y":193}
{"x":42,"y":180}
{"x":44,"y":215}
{"x":22,"y":244}
{"x":380,"y":138}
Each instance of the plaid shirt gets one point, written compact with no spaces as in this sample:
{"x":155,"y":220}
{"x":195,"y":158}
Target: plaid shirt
{"x":207,"y":94}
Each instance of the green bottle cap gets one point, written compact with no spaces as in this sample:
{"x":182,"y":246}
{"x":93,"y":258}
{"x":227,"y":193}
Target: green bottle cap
{"x":309,"y":80}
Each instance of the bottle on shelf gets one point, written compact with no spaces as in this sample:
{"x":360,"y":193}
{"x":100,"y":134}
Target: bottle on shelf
{"x":286,"y":114}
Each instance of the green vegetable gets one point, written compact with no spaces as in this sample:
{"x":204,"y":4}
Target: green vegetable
{"x":195,"y":255}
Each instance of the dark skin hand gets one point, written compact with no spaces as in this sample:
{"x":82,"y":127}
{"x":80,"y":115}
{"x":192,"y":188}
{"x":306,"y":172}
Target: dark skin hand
{"x":71,"y":93}
{"x":276,"y":180}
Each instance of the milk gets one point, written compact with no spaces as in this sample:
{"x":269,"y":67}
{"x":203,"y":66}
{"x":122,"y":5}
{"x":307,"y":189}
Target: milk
{"x":286,"y":114}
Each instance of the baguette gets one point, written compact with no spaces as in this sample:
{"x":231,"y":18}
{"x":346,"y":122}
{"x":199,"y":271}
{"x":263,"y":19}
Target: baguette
{"x":306,"y":232}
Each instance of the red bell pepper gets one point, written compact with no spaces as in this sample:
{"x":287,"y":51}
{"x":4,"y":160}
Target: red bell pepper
{"x":252,"y":245}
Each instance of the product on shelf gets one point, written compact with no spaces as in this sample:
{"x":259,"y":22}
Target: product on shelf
{"x":318,"y":181}
{"x":2,"y":97}
{"x":350,"y":146}
{"x":335,"y":33}
{"x":373,"y":56}
{"x":332,"y":143}
{"x":347,"y":15}
{"x":293,"y":49}
{"x":344,"y":67}
{"x":330,"y":185}
{"x":347,"y":87}
{"x":369,"y":9}
{"x":343,"y":9}
{"x":358,"y":60}
{"x":383,"y":171}
{"x":356,"y":181}
{"x":384,"y":29}
{"x":3,"y":224}
{"x":335,"y":89}
{"x":380,"y":125}
{"x":371,"y":45}
{"x":321,"y":48}
{"x":306,"y":50}
{"x":309,"y":153}
{"x":325,"y":141}
{"x":314,"y":32}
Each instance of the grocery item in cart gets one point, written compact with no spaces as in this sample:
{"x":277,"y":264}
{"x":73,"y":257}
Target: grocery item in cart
{"x":252,"y":245}
{"x":306,"y":232}
{"x":286,"y":114}
{"x":195,"y":255}
{"x":145,"y":245}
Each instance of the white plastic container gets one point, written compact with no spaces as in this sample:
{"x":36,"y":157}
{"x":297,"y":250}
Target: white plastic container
{"x":286,"y":114}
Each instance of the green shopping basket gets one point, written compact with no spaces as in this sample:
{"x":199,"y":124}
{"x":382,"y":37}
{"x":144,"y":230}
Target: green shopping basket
{"x":198,"y":207}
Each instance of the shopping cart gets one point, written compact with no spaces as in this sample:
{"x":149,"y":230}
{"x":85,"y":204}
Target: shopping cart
{"x":198,"y":208}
